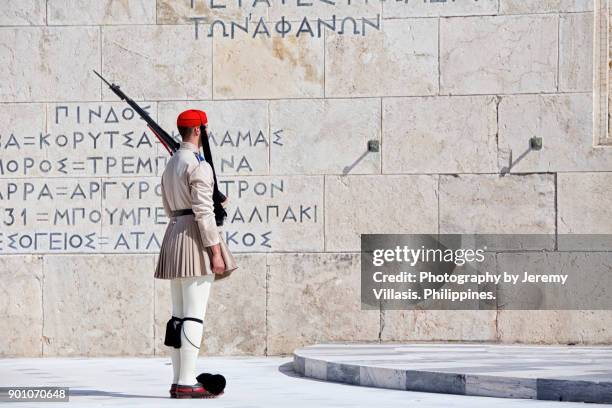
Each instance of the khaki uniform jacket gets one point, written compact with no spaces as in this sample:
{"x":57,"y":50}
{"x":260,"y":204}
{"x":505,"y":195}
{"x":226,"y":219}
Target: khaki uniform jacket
{"x":189,"y":183}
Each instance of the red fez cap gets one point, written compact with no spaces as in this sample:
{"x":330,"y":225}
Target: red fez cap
{"x":192,"y":118}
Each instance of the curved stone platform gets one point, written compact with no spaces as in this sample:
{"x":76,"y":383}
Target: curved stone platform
{"x":562,"y":373}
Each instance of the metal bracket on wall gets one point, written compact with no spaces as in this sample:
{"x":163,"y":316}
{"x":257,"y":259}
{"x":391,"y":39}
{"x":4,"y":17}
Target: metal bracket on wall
{"x":535,"y":143}
{"x":373,"y":145}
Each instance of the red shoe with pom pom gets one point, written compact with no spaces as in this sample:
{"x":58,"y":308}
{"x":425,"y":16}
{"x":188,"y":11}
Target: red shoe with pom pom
{"x":193,"y":391}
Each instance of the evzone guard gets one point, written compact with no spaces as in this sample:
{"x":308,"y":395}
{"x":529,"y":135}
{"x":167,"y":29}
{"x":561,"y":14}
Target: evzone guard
{"x":193,"y":254}
{"x":190,"y":255}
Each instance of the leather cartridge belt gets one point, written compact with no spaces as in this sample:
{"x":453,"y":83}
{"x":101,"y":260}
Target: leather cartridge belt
{"x":178,"y":213}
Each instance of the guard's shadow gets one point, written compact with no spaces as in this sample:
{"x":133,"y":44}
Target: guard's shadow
{"x":98,"y":393}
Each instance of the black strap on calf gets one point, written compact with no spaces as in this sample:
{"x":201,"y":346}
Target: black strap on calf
{"x":173,"y":331}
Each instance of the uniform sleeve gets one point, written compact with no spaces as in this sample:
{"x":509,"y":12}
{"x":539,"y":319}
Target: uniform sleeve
{"x":202,"y":184}
{"x":167,"y":208}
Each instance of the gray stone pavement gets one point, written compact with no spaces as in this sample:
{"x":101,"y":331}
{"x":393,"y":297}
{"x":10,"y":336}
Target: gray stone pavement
{"x":252,"y":382}
{"x":566,"y":373}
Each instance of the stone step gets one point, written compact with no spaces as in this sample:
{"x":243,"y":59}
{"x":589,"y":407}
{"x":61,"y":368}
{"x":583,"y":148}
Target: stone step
{"x":558,"y":373}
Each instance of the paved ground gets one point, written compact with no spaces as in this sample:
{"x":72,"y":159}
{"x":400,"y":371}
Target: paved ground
{"x":571,"y":373}
{"x":252,"y":382}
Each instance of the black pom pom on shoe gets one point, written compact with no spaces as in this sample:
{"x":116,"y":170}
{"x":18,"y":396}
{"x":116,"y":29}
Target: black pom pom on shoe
{"x":214,"y":383}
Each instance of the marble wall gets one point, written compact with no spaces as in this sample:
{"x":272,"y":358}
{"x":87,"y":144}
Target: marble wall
{"x":452,"y":91}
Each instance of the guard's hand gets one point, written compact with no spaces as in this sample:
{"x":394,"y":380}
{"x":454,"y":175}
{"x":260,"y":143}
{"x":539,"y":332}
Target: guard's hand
{"x":218,"y":265}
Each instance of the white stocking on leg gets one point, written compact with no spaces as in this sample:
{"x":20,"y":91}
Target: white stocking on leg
{"x":191,"y":334}
{"x":175,"y":355}
{"x":176,"y":290}
{"x":195,"y":300}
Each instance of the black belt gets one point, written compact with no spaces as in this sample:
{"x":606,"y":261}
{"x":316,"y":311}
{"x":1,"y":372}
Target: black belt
{"x":178,"y":213}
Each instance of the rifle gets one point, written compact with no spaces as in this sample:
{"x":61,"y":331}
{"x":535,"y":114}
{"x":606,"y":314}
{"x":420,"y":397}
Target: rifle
{"x":165,"y":139}
{"x":171,"y":145}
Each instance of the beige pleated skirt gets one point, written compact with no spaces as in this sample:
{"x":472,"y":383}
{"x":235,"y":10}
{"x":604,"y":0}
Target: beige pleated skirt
{"x":182,"y":253}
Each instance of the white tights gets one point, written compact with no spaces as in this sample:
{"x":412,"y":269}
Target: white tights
{"x":189,"y":299}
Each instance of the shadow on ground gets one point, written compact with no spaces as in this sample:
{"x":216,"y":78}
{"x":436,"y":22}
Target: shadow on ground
{"x":98,"y":393}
